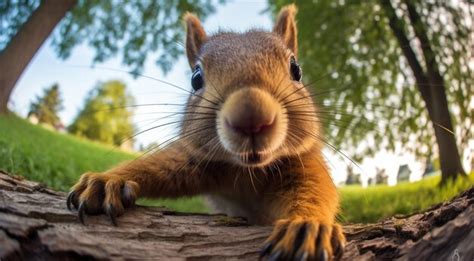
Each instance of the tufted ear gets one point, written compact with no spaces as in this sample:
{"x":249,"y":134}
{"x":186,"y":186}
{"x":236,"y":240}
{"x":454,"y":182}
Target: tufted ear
{"x":285,"y":27}
{"x":195,"y":38}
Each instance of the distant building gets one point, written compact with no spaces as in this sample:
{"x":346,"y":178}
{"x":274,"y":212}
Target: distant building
{"x":59,"y":127}
{"x":370,"y":181}
{"x":381,"y":177}
{"x":352,"y":178}
{"x":403,"y":173}
{"x":127,"y":145}
{"x":429,"y":170}
{"x":33,"y":118}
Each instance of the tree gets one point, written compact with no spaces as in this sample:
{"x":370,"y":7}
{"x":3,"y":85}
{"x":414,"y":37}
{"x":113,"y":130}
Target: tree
{"x":133,"y":28}
{"x":384,"y":71}
{"x":107,"y":115}
{"x":46,"y":107}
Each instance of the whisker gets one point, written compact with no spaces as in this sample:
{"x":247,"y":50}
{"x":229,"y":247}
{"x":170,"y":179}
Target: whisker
{"x":154,"y":104}
{"x":343,"y":87}
{"x":180,"y":136}
{"x":216,"y":147}
{"x":162,"y":125}
{"x":242,"y":147}
{"x":148,"y":77}
{"x":299,"y":157}
{"x":207,"y":154}
{"x":279,"y":91}
{"x":327,"y":143}
{"x":303,"y":86}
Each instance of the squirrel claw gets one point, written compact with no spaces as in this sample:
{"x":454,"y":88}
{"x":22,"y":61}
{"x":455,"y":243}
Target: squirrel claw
{"x":70,"y":197}
{"x":323,"y":255}
{"x":81,"y":212}
{"x":99,"y":193}
{"x":111,"y":213}
{"x":304,"y":239}
{"x":266,"y":249}
{"x":275,"y":256}
{"x":302,"y":257}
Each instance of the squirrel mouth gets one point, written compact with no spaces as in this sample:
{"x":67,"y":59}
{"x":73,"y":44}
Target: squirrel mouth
{"x":253,"y":158}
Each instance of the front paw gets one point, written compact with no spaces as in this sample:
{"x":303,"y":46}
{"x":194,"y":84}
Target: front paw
{"x":98,"y":193}
{"x":304,"y":239}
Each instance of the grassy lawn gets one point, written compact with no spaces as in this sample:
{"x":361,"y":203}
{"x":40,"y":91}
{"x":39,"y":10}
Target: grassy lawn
{"x":57,"y":160}
{"x":382,"y":201}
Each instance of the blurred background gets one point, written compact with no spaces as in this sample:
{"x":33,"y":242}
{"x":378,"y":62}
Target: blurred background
{"x":85,"y":85}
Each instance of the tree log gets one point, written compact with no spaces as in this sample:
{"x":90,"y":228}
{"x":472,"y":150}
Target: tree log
{"x":35,"y":224}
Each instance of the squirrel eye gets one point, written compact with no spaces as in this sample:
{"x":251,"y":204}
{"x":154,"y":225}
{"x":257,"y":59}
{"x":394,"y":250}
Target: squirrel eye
{"x":196,"y":79}
{"x":295,"y":70}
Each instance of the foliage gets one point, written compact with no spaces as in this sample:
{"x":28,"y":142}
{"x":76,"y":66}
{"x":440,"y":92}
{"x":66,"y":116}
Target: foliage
{"x":354,"y":63}
{"x":132,"y":28}
{"x":58,"y":160}
{"x":14,"y":13}
{"x":107,"y":115}
{"x":46,"y":108}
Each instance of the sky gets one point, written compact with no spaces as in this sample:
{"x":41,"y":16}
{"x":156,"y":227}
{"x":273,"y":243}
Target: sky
{"x":76,"y":78}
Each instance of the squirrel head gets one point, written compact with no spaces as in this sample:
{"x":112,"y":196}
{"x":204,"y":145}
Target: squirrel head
{"x":249,"y":102}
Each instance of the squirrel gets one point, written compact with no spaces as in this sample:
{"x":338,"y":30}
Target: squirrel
{"x":249,"y":140}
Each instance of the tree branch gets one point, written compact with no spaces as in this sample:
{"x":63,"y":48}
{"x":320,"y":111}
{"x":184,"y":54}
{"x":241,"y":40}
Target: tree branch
{"x":427,"y":50}
{"x":397,"y":25}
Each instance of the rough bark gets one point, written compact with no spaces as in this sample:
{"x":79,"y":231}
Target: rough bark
{"x":35,"y":224}
{"x":24,"y":45}
{"x":431,"y":86}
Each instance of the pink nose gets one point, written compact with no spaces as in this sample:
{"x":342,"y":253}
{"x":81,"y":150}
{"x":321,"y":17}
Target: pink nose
{"x":250,"y":127}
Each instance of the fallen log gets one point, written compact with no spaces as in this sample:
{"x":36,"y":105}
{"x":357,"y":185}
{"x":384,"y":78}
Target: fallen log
{"x":35,"y":224}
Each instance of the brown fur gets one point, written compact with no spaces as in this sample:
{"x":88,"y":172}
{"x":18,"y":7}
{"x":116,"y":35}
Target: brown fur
{"x":245,"y":75}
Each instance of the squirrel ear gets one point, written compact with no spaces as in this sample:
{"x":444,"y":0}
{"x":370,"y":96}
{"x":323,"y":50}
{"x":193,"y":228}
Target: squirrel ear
{"x":195,"y":37}
{"x":285,"y":27}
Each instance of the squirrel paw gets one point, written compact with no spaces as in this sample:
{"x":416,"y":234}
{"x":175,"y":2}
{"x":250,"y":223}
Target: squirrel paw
{"x":304,"y":239}
{"x":98,"y":193}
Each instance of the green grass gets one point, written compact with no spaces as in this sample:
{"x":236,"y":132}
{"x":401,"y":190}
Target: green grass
{"x":57,"y":160}
{"x":377,"y":202}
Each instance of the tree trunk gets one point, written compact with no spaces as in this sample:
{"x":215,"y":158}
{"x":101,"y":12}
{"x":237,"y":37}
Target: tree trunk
{"x":24,"y":45}
{"x":450,"y":160}
{"x":432,"y":89}
{"x":449,"y":157}
{"x":35,"y":225}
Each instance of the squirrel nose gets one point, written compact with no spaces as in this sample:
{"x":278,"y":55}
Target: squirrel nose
{"x":250,"y":126}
